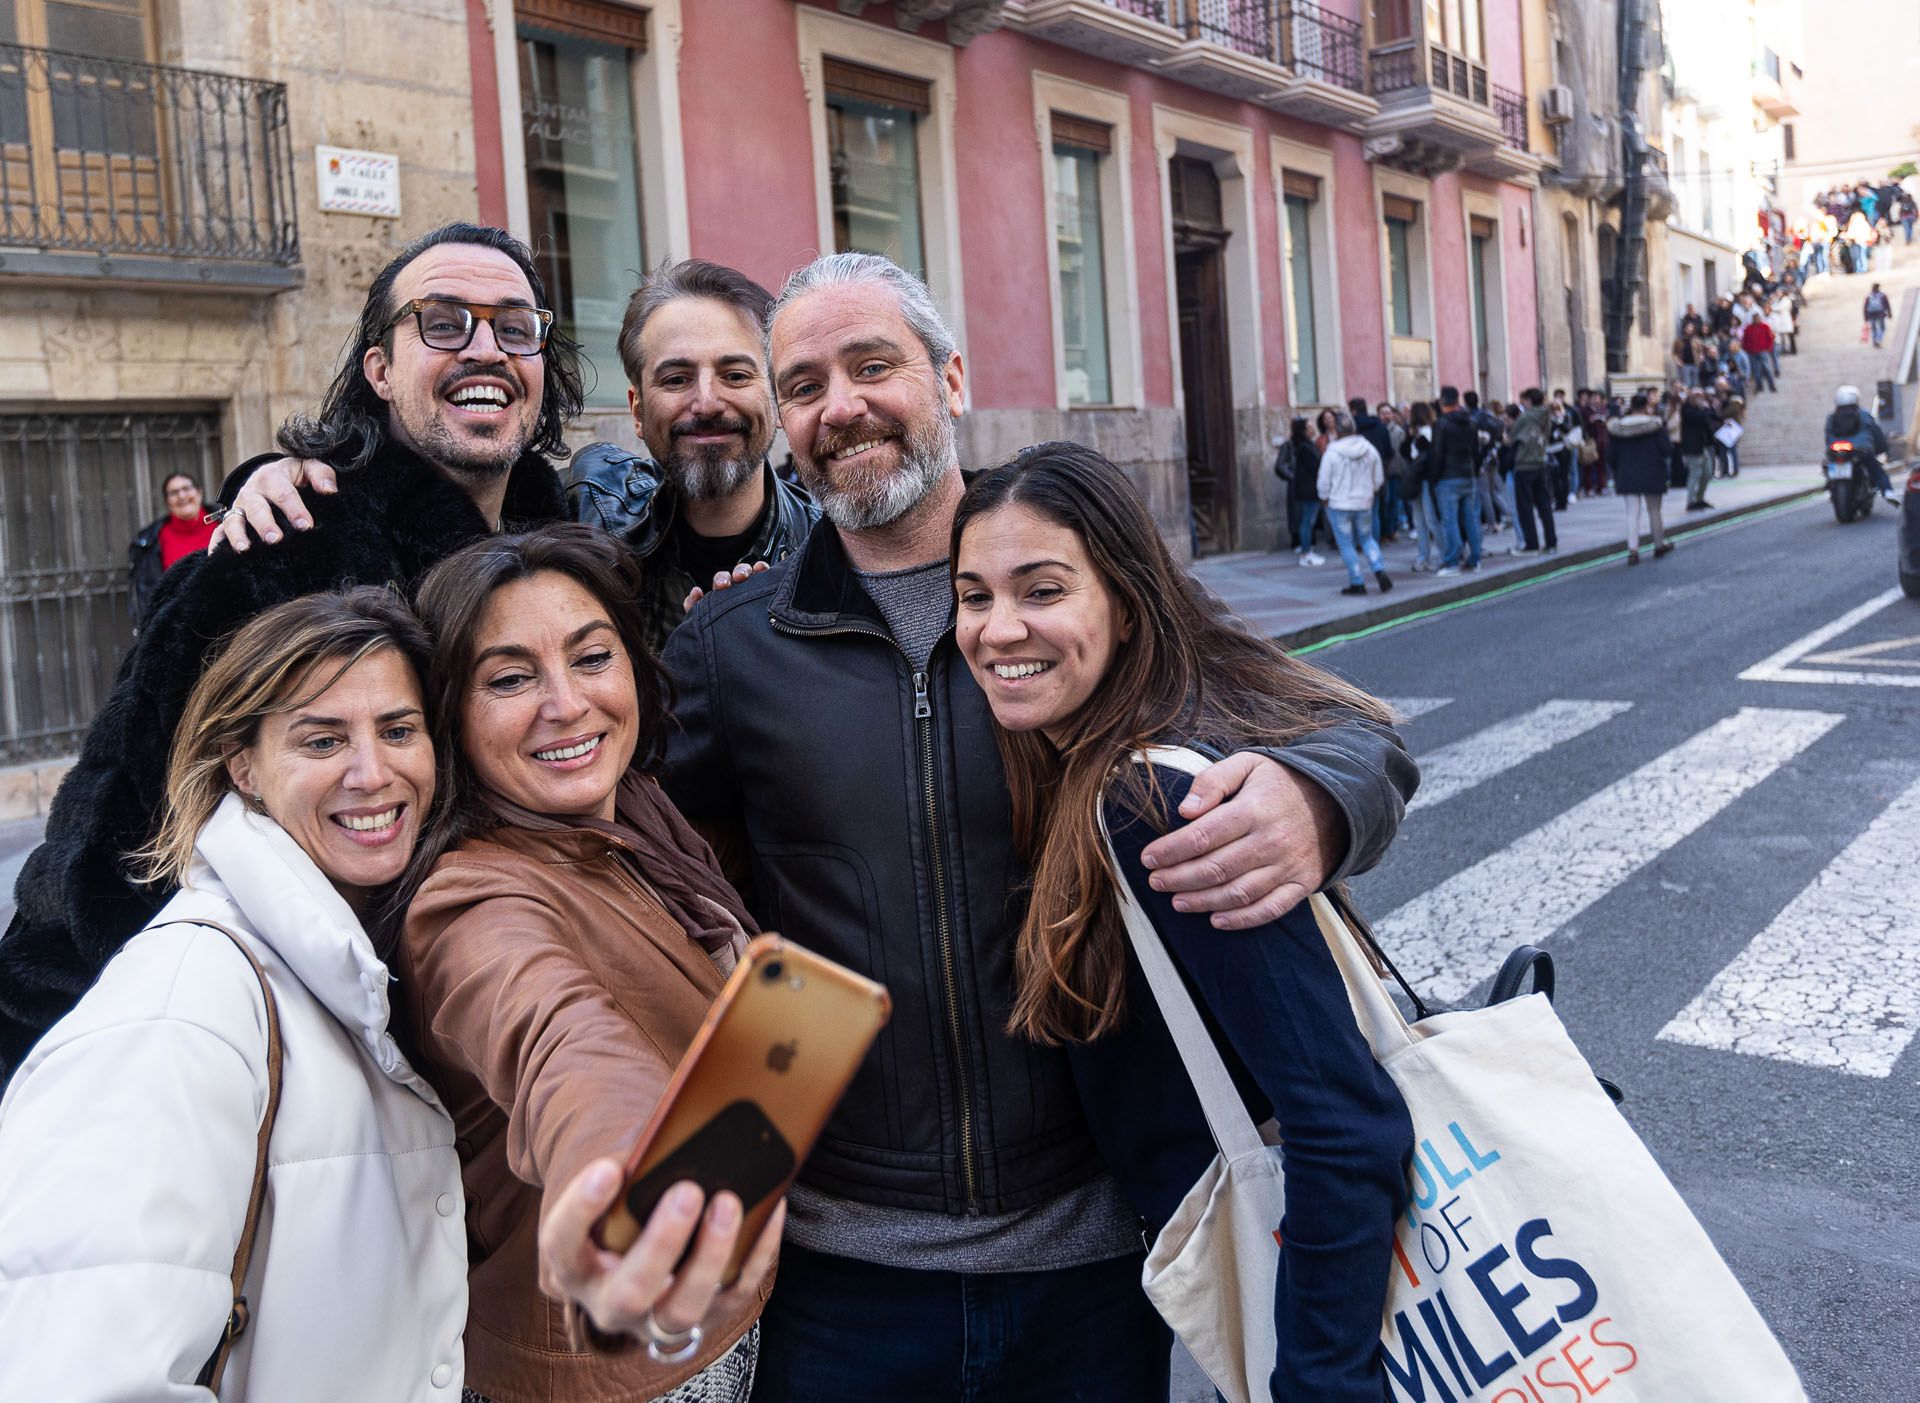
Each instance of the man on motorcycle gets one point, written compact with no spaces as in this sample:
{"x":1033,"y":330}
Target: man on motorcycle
{"x":1849,"y":421}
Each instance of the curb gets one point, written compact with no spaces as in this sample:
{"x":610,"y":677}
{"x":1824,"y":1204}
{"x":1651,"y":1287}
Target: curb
{"x":1333,"y":629}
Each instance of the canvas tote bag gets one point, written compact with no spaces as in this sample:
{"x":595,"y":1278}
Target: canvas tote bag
{"x":1545,"y":1257}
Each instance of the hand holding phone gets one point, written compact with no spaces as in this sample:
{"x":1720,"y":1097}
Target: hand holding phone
{"x":669,"y":1277}
{"x":754,"y":1090}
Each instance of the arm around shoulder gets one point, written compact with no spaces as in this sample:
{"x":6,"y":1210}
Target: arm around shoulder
{"x":1364,"y":767}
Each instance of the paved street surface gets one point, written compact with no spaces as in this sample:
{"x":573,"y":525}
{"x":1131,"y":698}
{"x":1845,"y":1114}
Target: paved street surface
{"x":1698,"y":785}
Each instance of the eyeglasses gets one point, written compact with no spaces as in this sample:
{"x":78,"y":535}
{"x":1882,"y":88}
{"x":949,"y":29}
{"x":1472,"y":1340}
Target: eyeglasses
{"x":448,"y":326}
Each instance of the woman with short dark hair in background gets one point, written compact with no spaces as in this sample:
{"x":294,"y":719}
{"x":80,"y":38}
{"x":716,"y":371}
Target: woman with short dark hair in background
{"x":164,"y":543}
{"x":1090,"y":643}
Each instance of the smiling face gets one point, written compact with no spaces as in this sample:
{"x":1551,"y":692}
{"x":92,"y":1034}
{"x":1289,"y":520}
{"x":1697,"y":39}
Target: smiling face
{"x":1037,"y":623}
{"x":869,"y":419}
{"x":703,"y":406}
{"x":184,"y":502}
{"x":349,"y":774}
{"x":471,"y":412}
{"x":550,"y":715}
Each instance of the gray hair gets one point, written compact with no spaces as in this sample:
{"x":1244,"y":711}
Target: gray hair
{"x":844,"y":269}
{"x":1342,"y":424}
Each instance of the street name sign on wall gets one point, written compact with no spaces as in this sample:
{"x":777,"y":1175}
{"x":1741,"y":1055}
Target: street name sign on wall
{"x":358,"y":182}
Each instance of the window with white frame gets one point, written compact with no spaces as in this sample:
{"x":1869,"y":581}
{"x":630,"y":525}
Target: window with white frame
{"x":880,"y":105}
{"x":873,"y":154}
{"x":1093,"y":283}
{"x":1402,"y":218}
{"x":1080,"y":148}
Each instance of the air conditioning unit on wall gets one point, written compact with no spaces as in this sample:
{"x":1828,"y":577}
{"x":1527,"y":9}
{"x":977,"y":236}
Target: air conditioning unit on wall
{"x":1556,"y":104}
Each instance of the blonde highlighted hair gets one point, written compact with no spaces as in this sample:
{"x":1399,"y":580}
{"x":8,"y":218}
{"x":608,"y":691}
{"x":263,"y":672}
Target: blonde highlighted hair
{"x":277,"y":662}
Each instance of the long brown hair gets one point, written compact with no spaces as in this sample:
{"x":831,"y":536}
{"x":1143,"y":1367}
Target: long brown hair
{"x":277,"y":662}
{"x":453,"y":600}
{"x":1187,"y":671}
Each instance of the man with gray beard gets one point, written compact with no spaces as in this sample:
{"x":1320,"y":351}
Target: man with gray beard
{"x":953,"y":1234}
{"x":697,"y":385}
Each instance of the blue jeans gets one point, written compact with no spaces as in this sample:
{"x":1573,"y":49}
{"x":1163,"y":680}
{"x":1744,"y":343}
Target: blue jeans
{"x":843,"y":1331}
{"x":1309,"y":513}
{"x":1453,"y":499}
{"x":1426,"y":525}
{"x":1879,"y":325}
{"x":1349,"y":526}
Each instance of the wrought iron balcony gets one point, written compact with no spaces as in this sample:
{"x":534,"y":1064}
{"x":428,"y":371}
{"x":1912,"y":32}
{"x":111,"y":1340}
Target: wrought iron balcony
{"x":1291,"y":55}
{"x":1511,"y":108}
{"x":144,"y":173}
{"x":1409,"y":65}
{"x":1323,"y":46}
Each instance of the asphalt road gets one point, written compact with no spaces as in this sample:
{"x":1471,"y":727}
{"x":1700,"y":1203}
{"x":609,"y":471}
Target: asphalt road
{"x":1724,"y":870}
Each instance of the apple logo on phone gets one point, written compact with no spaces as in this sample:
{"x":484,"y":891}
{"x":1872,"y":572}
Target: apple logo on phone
{"x":780,"y":1055}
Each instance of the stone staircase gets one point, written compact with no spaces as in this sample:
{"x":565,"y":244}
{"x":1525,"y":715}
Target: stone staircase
{"x":1784,"y":428}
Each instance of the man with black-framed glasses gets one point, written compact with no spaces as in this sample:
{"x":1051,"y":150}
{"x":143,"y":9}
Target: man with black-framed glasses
{"x":442,"y":426}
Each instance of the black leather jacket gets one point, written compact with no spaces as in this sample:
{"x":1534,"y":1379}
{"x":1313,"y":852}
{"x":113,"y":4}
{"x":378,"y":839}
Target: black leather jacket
{"x":144,"y":570}
{"x":875,"y":814}
{"x":622,"y":492}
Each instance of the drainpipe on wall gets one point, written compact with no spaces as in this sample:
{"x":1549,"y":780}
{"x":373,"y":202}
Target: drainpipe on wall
{"x":1627,"y":284}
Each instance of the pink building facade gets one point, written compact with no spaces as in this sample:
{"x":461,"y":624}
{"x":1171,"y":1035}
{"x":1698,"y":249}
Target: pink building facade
{"x":1159,"y":227}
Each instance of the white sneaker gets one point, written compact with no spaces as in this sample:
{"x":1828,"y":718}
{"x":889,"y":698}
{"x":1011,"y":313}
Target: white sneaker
{"x":1447,"y":570}
{"x":1313,"y":558}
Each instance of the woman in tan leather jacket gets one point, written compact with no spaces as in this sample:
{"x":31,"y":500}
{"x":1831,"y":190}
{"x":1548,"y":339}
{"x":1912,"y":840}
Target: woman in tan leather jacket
{"x":559,"y":955}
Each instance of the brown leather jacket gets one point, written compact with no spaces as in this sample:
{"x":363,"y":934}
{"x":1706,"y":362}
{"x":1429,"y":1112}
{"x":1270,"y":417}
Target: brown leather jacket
{"x":550,"y":997}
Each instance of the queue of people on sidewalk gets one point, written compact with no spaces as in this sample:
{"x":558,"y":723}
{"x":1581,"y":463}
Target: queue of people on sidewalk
{"x":403,"y":862}
{"x":1452,"y":473}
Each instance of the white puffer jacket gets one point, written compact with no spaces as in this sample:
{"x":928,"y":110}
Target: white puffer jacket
{"x":1350,"y":473}
{"x":127,"y":1142}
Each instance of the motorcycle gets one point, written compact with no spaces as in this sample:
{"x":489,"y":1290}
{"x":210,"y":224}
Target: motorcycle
{"x":1849,"y":481}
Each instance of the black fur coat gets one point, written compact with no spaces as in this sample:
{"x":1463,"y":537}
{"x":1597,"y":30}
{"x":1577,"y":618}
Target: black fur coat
{"x":388,"y":524}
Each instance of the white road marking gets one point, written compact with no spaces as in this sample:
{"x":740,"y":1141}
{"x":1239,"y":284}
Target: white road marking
{"x":1454,"y":769}
{"x":1450,"y":938}
{"x":1410,"y":707}
{"x":1780,"y":668}
{"x":1834,"y":979}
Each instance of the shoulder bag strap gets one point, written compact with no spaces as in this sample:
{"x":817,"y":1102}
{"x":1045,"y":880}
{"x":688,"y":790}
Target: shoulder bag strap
{"x":1233,"y":1129}
{"x":239,"y":1315}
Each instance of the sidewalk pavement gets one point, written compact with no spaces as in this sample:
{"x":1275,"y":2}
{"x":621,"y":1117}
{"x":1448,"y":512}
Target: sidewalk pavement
{"x":1297,"y":605}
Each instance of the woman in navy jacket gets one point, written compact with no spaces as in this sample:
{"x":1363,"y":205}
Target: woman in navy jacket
{"x":1090,"y":644}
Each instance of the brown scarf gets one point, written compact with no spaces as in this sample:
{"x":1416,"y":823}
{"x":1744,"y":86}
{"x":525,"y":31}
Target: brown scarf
{"x":662,"y":849}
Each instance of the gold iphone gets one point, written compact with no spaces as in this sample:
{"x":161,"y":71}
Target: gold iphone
{"x":754,"y":1091}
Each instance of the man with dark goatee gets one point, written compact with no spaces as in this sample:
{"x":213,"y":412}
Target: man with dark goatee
{"x":708,"y":502}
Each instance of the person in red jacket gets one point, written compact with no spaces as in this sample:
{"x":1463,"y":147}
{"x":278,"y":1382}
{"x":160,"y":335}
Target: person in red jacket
{"x":1756,"y":339}
{"x":164,"y":543}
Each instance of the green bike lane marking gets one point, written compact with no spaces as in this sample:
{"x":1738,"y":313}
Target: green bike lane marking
{"x":1499,"y":591}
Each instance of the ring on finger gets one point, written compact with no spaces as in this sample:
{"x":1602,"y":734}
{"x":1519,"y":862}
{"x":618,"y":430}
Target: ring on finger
{"x":670,"y":1346}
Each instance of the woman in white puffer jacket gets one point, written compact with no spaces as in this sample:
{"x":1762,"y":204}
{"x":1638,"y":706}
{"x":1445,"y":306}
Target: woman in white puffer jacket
{"x":300,"y":781}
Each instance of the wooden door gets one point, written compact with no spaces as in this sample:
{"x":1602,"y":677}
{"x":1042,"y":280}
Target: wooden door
{"x":1205,"y":380}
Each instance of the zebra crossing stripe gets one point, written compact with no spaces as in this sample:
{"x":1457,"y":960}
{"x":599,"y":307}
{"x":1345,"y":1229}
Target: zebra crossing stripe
{"x":1451,"y":937}
{"x":1412,"y":707}
{"x":1834,"y":979}
{"x":1453,"y":769}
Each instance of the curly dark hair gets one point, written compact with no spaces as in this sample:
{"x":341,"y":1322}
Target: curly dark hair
{"x":351,"y":427}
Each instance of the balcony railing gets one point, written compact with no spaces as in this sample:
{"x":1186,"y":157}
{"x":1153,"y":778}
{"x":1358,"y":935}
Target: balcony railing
{"x":1243,"y":25}
{"x":1511,"y":108}
{"x":100,"y":156}
{"x":1322,"y":45}
{"x":1408,"y":64}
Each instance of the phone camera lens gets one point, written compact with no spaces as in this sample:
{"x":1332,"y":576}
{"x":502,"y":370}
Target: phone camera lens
{"x":772,"y":972}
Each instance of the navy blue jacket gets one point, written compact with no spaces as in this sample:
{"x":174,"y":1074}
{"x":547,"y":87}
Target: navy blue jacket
{"x":1278,"y":1010}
